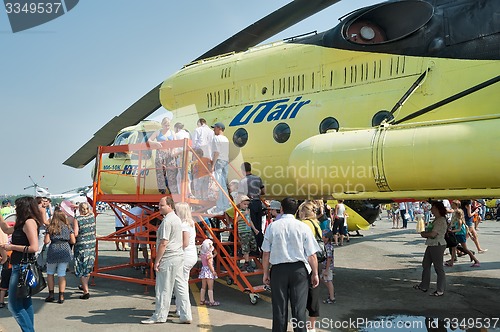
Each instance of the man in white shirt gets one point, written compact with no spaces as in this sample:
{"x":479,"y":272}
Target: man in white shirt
{"x":220,"y":165}
{"x":180,"y":132}
{"x":169,"y":267}
{"x":202,"y":138}
{"x":290,"y":247}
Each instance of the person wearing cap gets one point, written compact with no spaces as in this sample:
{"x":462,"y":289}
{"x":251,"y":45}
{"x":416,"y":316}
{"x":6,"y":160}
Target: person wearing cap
{"x":275,"y":209}
{"x":246,"y":229}
{"x":252,"y":186}
{"x":274,"y":214}
{"x":219,"y":165}
{"x":7,"y":209}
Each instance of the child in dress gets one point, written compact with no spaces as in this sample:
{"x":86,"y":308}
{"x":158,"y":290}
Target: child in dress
{"x":207,"y":273}
{"x":327,"y":273}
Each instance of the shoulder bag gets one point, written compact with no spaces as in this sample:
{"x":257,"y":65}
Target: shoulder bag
{"x":321,"y":254}
{"x":31,"y":280}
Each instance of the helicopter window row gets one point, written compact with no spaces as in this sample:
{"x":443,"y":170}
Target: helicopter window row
{"x":214,"y":98}
{"x":282,"y":131}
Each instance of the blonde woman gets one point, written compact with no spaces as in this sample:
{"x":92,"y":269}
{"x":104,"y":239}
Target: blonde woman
{"x":84,"y":229}
{"x":60,"y":235}
{"x":188,"y":237}
{"x":307,"y":214}
{"x":183,"y":211}
{"x":460,"y":230}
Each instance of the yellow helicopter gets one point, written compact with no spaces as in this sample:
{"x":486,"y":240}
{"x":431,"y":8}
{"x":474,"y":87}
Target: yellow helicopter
{"x":389,"y":104}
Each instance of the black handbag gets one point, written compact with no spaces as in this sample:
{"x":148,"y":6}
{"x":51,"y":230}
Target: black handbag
{"x":451,"y":239}
{"x":31,"y":280}
{"x":321,"y":254}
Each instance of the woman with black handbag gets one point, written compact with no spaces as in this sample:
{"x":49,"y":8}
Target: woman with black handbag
{"x":24,"y":239}
{"x":307,"y":214}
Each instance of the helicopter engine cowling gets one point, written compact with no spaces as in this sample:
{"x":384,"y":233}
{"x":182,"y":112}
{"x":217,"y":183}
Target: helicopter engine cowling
{"x":404,"y":161}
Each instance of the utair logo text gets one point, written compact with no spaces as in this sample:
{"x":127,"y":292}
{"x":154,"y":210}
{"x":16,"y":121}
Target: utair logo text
{"x":270,"y":111}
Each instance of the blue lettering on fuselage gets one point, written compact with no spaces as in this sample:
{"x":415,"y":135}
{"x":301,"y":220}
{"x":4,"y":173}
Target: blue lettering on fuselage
{"x":269,"y":111}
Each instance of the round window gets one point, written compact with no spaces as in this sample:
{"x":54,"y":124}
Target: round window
{"x":381,"y":116}
{"x":240,"y":137}
{"x":281,"y":132}
{"x":328,"y":124}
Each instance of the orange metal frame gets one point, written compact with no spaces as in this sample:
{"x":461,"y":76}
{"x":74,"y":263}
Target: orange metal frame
{"x":226,"y":261}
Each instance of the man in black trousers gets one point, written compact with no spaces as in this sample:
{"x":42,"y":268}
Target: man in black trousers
{"x":290,"y":247}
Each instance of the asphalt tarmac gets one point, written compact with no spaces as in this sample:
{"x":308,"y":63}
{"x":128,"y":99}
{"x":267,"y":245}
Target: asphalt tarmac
{"x":374,"y":275}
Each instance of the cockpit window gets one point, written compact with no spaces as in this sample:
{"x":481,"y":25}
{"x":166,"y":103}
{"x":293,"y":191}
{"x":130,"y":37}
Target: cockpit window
{"x":122,"y":138}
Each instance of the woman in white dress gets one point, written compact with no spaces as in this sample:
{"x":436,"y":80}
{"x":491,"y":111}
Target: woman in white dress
{"x":183,"y":210}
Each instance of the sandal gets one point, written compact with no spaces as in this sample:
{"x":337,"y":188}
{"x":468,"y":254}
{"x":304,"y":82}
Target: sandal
{"x":436,"y":293}
{"x":2,"y":305}
{"x":213,"y":304}
{"x":449,"y":264}
{"x":203,"y":302}
{"x":419,"y":288}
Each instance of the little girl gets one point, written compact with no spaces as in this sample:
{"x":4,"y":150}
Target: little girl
{"x":207,"y":273}
{"x":60,"y":235}
{"x":327,"y":273}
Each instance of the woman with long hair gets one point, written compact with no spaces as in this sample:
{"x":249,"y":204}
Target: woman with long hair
{"x":60,"y":235}
{"x":436,"y":245}
{"x":24,"y":243}
{"x":307,"y":214}
{"x":458,"y":227}
{"x":183,"y":211}
{"x":84,"y":228}
{"x":469,"y":221}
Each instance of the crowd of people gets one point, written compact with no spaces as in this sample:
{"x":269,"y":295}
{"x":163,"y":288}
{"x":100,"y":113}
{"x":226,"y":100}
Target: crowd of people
{"x":294,"y":240}
{"x":40,"y":228}
{"x":452,"y":225}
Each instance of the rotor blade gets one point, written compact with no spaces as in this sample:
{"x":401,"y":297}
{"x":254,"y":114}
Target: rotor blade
{"x":105,"y":136}
{"x":259,"y":31}
{"x":270,"y":25}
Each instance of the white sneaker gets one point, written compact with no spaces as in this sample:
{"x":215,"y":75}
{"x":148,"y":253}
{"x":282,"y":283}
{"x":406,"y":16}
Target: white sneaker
{"x":150,"y":320}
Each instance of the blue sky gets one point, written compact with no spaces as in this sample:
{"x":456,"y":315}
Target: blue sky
{"x":62,"y":81}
